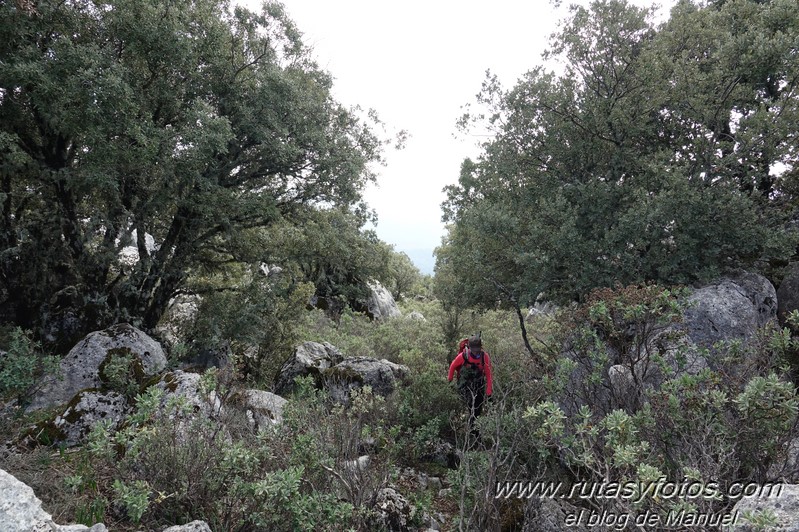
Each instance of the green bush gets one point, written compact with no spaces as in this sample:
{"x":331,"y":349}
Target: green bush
{"x":728,"y":422}
{"x":22,"y":365}
{"x":303,"y":475}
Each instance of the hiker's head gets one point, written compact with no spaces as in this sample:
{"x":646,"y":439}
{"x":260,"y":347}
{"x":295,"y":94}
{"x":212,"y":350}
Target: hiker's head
{"x":475,"y":344}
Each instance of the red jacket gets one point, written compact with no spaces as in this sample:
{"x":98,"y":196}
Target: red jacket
{"x":486,"y":362}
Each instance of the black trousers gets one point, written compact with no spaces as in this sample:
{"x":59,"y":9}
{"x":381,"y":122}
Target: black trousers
{"x":474,"y":397}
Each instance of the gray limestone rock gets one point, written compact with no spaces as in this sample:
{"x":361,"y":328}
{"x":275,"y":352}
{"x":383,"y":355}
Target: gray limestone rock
{"x":80,"y":369}
{"x":394,"y":511}
{"x":87,"y":409}
{"x":727,"y":310}
{"x":782,"y":507}
{"x":356,"y":372}
{"x":380,"y":304}
{"x":310,"y":358}
{"x":21,"y":510}
{"x":264,"y":409}
{"x":194,"y":526}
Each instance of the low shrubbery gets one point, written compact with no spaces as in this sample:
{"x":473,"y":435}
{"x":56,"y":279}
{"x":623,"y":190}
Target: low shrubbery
{"x":167,"y":467}
{"x":22,"y":364}
{"x":560,"y":415}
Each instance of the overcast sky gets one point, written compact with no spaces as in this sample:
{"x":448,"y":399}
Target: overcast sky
{"x":417,"y":63}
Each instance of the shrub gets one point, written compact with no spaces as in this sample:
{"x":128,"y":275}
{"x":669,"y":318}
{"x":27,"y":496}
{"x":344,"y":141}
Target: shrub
{"x":727,"y":422}
{"x":307,"y":474}
{"x":22,"y":365}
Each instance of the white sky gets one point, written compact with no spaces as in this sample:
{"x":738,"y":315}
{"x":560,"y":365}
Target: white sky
{"x":417,"y":63}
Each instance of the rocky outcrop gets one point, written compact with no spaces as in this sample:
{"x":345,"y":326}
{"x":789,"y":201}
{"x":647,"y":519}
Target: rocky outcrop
{"x":263,"y":409}
{"x":310,"y":358}
{"x":782,"y":506}
{"x":356,"y":372}
{"x":380,"y":304}
{"x":186,"y":389}
{"x":80,"y":369}
{"x":21,"y":510}
{"x":89,"y":407}
{"x":730,"y":309}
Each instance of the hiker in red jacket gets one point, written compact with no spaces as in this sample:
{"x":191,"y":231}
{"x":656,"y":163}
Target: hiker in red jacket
{"x":473,"y":366}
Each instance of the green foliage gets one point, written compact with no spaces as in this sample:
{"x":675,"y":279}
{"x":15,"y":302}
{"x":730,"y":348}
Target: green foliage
{"x":255,"y":322}
{"x":22,"y":365}
{"x":404,"y":278}
{"x":332,"y":250}
{"x":355,"y":335}
{"x":761,"y":520}
{"x":167,"y":466}
{"x":648,"y":159}
{"x":122,"y":371}
{"x":197,"y":123}
{"x":134,"y":498}
{"x":724,"y":422}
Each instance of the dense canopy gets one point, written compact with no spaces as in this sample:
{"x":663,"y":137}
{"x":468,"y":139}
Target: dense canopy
{"x":658,"y":153}
{"x":187,"y":122}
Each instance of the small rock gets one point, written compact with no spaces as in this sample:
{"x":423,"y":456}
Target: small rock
{"x":264,"y":408}
{"x":194,"y":526}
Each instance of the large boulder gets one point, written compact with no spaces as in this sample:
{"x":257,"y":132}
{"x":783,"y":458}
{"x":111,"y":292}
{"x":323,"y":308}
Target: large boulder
{"x":356,"y":372}
{"x":310,"y":358}
{"x":81,"y":368}
{"x":21,"y":510}
{"x":380,"y":304}
{"x":730,"y":309}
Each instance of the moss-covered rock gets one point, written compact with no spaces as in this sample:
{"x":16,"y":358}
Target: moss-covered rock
{"x":356,"y":372}
{"x":309,"y":359}
{"x":85,"y":366}
{"x":72,"y":426}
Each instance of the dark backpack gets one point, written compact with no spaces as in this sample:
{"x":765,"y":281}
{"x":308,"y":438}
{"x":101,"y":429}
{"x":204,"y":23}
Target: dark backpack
{"x":462,"y":345}
{"x":471,"y":373}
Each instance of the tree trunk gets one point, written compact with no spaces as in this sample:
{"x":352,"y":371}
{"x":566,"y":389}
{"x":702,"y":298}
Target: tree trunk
{"x":524,"y":330}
